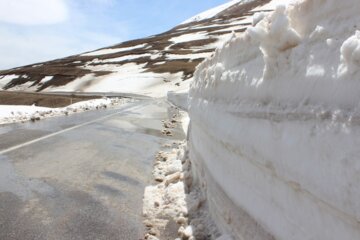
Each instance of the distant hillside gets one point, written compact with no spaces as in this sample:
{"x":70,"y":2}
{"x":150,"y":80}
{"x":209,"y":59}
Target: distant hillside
{"x":152,"y":65}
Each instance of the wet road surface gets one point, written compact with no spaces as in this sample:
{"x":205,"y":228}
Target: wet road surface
{"x":80,"y":177}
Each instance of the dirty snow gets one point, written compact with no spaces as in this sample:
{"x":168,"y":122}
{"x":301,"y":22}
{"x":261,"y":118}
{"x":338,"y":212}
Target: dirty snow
{"x":17,"y":113}
{"x":175,"y":198}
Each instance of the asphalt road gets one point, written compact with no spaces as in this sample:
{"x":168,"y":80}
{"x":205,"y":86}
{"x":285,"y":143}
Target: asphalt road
{"x":82,"y":176}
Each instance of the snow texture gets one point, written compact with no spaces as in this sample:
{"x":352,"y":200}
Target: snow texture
{"x":129,"y":78}
{"x":119,"y":59}
{"x":174,"y":199}
{"x":6,"y":79}
{"x":189,"y":37}
{"x":17,"y":113}
{"x":274,"y":123}
{"x":46,"y":79}
{"x":188,"y":56}
{"x":214,"y":11}
{"x":112,"y":50}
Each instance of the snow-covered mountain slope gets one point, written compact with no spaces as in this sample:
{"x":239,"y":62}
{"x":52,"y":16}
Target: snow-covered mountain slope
{"x":152,"y":65}
{"x":214,"y":11}
{"x":275,"y":125}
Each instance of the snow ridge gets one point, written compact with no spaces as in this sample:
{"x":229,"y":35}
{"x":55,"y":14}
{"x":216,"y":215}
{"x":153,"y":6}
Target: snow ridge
{"x":213,"y":12}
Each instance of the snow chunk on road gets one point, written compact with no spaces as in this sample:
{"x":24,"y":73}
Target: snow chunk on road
{"x":175,"y":198}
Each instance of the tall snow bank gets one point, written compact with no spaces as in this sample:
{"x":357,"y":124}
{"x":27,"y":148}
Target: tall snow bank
{"x":316,"y":63}
{"x":274,"y":123}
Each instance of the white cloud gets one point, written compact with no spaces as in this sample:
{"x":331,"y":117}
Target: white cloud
{"x":33,"y":12}
{"x":19,"y":49}
{"x":82,"y":25}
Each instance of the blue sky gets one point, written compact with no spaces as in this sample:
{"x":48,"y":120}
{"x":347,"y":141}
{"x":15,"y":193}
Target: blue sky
{"x":38,"y":30}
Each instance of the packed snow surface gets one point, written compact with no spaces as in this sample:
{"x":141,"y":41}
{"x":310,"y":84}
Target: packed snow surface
{"x":275,"y":121}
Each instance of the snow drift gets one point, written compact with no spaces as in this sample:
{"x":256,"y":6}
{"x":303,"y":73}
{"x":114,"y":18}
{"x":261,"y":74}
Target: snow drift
{"x":275,"y":125}
{"x":18,"y":113}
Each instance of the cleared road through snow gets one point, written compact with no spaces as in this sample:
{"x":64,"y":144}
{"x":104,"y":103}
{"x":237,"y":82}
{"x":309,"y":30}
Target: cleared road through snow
{"x":82,"y":176}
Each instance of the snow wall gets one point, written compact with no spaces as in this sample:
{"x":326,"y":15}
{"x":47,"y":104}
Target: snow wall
{"x":275,"y":125}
